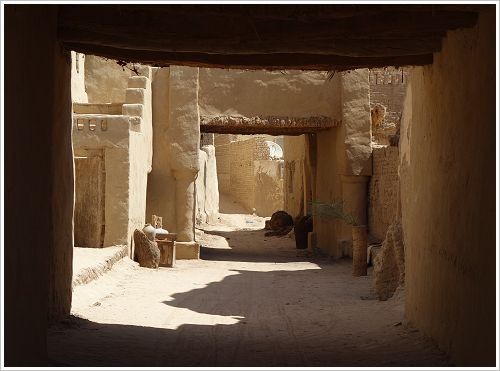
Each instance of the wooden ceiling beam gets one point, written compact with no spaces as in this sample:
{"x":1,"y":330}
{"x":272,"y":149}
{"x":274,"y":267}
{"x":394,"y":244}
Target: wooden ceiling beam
{"x":328,"y":46}
{"x":276,"y":61}
{"x":294,"y":12}
{"x":290,"y":36}
{"x":120,"y":20}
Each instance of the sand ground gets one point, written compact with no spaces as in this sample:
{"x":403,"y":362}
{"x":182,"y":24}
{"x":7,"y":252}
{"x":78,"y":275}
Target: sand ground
{"x":250,"y":301}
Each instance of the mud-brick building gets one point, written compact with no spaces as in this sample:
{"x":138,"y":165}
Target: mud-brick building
{"x":450,"y":106}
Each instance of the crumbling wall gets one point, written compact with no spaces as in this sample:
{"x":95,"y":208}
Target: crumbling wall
{"x":389,"y":263}
{"x":448,"y":191}
{"x":245,"y":172}
{"x":387,"y":88}
{"x":383,"y":191}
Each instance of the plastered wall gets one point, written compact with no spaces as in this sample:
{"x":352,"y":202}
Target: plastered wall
{"x":293,"y":179}
{"x":328,"y":189}
{"x":105,"y":80}
{"x":176,"y":163}
{"x":335,"y":154}
{"x":268,"y":193}
{"x":207,"y":188}
{"x":254,"y":93}
{"x":78,"y":93}
{"x":448,"y":195}
{"x":161,"y":184}
{"x":125,"y":140}
{"x":37,"y":264}
{"x":138,"y":101}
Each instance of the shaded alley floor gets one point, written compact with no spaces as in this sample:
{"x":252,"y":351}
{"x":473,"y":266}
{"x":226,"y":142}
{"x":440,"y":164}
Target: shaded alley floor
{"x":250,"y":301}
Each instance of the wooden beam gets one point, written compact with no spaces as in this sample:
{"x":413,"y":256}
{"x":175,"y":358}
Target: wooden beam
{"x":252,"y":131}
{"x":126,"y":21}
{"x":250,"y":61}
{"x":294,"y":12}
{"x":327,"y":46}
{"x":277,"y":125}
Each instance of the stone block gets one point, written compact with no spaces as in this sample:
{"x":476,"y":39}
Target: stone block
{"x":147,"y":251}
{"x":138,"y":82}
{"x":187,"y":250}
{"x":135,"y":96}
{"x":133,"y":110}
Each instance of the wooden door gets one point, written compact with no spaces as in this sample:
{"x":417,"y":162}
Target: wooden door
{"x":89,"y":200}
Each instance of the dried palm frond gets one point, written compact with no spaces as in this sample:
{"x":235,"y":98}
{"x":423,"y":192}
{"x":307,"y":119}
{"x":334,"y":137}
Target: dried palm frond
{"x":333,"y":210}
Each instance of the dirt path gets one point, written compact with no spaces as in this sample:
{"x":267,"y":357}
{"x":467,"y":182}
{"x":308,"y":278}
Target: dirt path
{"x":250,"y":301}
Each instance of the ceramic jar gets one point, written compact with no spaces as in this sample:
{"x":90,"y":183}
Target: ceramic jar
{"x":149,"y":231}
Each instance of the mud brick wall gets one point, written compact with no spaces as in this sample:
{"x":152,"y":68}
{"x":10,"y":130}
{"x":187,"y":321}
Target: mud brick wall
{"x":206,"y":139}
{"x":242,"y":172}
{"x":383,"y":191}
{"x":388,"y":87}
{"x":236,"y":169}
{"x":223,"y":157}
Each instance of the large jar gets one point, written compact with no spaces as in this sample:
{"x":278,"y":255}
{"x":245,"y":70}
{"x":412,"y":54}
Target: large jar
{"x":149,"y":231}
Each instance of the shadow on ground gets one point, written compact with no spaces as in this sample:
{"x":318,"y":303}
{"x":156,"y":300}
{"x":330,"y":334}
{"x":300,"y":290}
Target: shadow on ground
{"x":270,"y":249}
{"x":305,"y":316}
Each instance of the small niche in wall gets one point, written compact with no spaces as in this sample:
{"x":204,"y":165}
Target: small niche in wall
{"x":80,"y":124}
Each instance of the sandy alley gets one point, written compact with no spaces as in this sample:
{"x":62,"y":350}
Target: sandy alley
{"x":250,"y":301}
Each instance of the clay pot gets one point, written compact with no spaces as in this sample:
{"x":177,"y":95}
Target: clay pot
{"x":359,"y":250}
{"x":149,"y":231}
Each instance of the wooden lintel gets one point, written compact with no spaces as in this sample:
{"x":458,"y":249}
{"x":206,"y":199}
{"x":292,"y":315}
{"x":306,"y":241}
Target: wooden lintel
{"x":339,"y":46}
{"x":277,"y":61}
{"x":275,"y":125}
{"x":141,"y":26}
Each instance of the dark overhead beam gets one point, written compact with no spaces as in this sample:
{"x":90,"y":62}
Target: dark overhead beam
{"x":327,"y":46}
{"x":294,"y":12}
{"x":252,"y":61}
{"x":122,"y":19}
